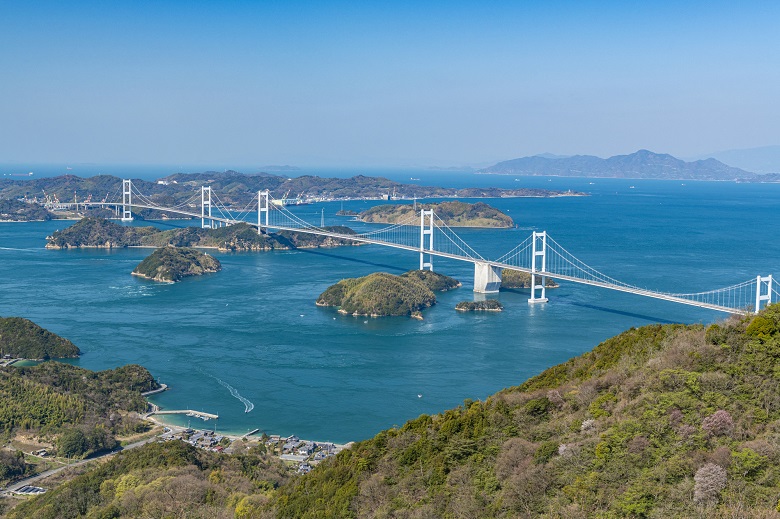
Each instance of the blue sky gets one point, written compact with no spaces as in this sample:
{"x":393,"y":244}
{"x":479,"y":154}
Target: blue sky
{"x":382,"y":83}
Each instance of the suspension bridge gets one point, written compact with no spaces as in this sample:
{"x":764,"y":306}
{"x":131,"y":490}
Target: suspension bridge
{"x":427,"y":235}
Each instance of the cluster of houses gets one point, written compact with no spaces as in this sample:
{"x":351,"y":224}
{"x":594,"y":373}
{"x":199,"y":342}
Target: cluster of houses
{"x":306,"y":453}
{"x":292,"y":449}
{"x":208,"y":440}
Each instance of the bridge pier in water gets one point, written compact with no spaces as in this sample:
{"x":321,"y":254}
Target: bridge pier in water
{"x":487,"y":278}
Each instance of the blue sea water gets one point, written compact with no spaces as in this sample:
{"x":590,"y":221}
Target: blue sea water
{"x":251,"y":334}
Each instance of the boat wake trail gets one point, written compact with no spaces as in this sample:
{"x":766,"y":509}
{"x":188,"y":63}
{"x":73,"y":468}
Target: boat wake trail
{"x":248,"y":406}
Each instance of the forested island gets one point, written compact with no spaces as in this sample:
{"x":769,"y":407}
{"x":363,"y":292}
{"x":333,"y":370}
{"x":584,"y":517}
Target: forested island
{"x":454,"y":214}
{"x":171,"y":264}
{"x":488,"y":305}
{"x":23,"y":339}
{"x":382,"y":294}
{"x":98,"y":232}
{"x":518,"y":279}
{"x":659,"y":421}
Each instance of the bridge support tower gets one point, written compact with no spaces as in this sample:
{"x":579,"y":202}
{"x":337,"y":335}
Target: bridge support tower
{"x":262,"y":209}
{"x":538,"y":264}
{"x":205,"y":201}
{"x":763,"y":282}
{"x":127,"y":200}
{"x":487,"y":278}
{"x":426,"y":231}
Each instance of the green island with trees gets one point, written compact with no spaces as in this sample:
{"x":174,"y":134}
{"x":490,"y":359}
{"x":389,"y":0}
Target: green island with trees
{"x":171,"y":264}
{"x":662,"y":421}
{"x":102,"y":233}
{"x":383,"y":294}
{"x":23,"y":339}
{"x":518,"y":279}
{"x":488,"y":305}
{"x":454,"y":214}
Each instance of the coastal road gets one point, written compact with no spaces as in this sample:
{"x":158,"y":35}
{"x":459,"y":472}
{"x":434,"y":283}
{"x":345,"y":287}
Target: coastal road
{"x":37,"y":477}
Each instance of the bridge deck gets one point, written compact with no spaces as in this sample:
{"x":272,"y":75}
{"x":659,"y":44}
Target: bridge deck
{"x":418,"y":249}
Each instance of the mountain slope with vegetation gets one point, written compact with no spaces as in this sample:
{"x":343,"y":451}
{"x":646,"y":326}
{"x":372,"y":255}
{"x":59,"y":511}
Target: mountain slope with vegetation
{"x":170,"y":479}
{"x":454,"y":214}
{"x":660,"y":421}
{"x":53,"y":394}
{"x":22,"y":338}
{"x":663,"y":421}
{"x":382,"y":294}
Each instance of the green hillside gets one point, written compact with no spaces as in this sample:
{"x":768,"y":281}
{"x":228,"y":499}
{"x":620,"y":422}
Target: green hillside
{"x":22,"y":338}
{"x":660,"y":421}
{"x":165,"y":480}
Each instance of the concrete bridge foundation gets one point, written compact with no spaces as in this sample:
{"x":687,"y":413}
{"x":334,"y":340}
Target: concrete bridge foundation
{"x":487,"y":278}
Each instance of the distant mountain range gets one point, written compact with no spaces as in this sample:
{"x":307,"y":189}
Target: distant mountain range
{"x":642,"y":164}
{"x":765,"y":159}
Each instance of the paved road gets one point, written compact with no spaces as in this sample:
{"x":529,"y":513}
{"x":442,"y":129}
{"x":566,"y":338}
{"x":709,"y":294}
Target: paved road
{"x":37,"y":477}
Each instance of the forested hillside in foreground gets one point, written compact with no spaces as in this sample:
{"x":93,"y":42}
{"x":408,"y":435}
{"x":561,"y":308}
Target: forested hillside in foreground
{"x":77,"y":410}
{"x":660,"y":421}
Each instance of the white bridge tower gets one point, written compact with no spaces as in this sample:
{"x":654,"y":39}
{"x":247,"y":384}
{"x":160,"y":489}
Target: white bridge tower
{"x":423,"y":232}
{"x":205,"y":200}
{"x":127,"y":200}
{"x":262,"y":207}
{"x":762,"y":282}
{"x":538,"y":264}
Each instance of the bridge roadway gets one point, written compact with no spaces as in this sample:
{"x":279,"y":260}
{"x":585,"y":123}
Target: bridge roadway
{"x":559,"y":277}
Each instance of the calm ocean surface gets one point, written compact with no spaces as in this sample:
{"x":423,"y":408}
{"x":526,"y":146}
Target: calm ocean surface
{"x":251,"y":336}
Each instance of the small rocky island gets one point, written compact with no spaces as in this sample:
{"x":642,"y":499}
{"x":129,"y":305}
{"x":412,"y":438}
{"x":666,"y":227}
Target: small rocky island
{"x":454,"y":214}
{"x":518,"y":279}
{"x":171,"y":264}
{"x":381,"y":294}
{"x":489,"y":305}
{"x":102,"y":233}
